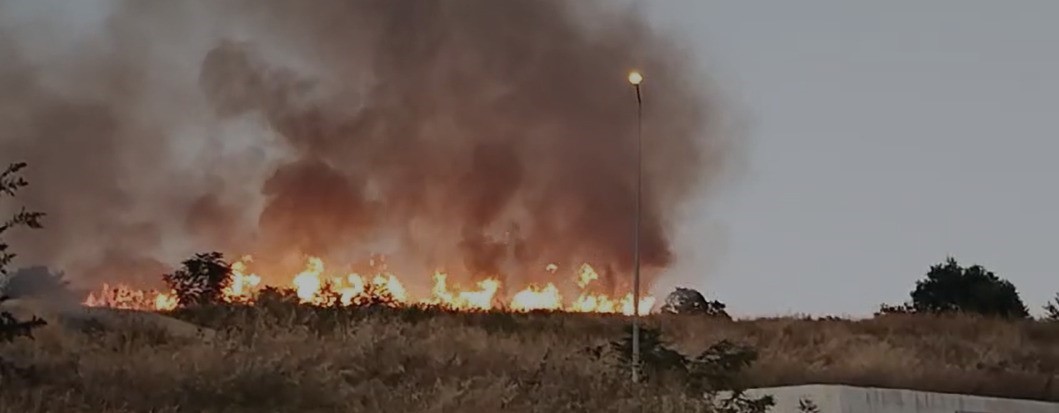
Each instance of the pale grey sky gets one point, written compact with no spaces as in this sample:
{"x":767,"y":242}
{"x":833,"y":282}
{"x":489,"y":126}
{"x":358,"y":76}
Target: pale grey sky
{"x":883,"y":136}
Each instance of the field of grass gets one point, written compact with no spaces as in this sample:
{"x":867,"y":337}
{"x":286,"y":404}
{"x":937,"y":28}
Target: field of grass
{"x":287,"y":358}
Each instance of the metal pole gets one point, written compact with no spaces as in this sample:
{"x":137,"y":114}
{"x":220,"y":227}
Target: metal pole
{"x":636,"y":240}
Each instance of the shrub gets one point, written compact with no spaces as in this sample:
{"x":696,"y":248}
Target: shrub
{"x":950,"y":288}
{"x":690,"y":301}
{"x":713,"y":374}
{"x":201,"y":279}
{"x":1051,"y":310}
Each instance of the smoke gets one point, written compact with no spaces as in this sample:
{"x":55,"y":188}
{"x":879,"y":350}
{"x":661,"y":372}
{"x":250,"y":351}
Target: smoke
{"x":40,"y":282}
{"x":485,"y":137}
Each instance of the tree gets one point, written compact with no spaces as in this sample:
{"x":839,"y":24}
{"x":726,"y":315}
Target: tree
{"x":10,"y":327}
{"x":201,"y":279}
{"x":10,"y":183}
{"x":950,"y":288}
{"x":1051,"y":310}
{"x":689,"y":301}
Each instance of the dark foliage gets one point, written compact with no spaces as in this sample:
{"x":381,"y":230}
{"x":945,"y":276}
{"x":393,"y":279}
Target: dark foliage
{"x":656,"y":359}
{"x":1051,"y":310}
{"x":200,"y":280}
{"x":806,"y":405}
{"x":10,"y":327}
{"x":277,"y":296}
{"x":690,"y":301}
{"x":949,"y":288}
{"x":10,"y":183}
{"x":888,"y":309}
{"x":713,"y":374}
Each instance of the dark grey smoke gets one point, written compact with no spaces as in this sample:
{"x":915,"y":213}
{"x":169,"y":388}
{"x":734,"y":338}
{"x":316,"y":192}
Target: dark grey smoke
{"x":42,"y":283}
{"x":482,"y":136}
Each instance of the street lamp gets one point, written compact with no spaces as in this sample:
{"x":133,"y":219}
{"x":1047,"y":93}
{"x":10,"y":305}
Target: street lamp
{"x":635,"y":78}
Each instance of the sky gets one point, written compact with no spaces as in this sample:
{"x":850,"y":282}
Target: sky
{"x":880,"y":137}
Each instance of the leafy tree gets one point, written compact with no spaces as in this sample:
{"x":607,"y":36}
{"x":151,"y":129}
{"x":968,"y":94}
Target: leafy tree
{"x":10,"y":327}
{"x":1051,"y":310}
{"x":201,"y":279}
{"x":950,"y":288}
{"x":689,"y":301}
{"x":10,"y":183}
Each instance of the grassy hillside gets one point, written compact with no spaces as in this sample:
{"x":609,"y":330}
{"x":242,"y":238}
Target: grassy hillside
{"x":286,"y":358}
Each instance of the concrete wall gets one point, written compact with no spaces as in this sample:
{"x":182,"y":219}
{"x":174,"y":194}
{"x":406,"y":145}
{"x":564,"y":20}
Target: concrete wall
{"x":847,"y":399}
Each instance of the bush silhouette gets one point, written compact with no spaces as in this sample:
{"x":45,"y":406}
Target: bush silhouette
{"x":201,"y":279}
{"x":714,"y":373}
{"x":1051,"y":310}
{"x":949,"y":288}
{"x":690,"y":301}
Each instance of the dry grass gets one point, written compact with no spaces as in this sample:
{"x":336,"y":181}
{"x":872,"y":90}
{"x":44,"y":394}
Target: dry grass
{"x":299,"y":359}
{"x":989,"y":357}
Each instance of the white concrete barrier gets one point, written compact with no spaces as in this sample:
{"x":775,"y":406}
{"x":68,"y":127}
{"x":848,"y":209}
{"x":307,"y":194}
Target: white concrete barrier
{"x":849,"y":399}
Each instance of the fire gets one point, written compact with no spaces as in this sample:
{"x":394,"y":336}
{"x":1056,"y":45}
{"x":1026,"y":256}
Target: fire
{"x":307,"y":284}
{"x":313,"y":285}
{"x":127,"y":298}
{"x":536,"y":298}
{"x":389,"y":285}
{"x":480,"y":299}
{"x":165,"y":302}
{"x":588,"y":302}
{"x":585,"y":275}
{"x":241,"y":288}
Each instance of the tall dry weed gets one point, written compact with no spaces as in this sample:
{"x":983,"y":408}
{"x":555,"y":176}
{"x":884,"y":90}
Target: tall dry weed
{"x":284,"y":358}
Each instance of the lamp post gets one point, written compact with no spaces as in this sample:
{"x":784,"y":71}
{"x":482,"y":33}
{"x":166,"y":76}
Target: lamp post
{"x":635,"y":78}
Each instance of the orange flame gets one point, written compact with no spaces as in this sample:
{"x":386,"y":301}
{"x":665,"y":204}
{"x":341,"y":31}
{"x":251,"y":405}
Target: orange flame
{"x":536,"y":298}
{"x":480,"y":299}
{"x":242,"y":286}
{"x":313,"y":286}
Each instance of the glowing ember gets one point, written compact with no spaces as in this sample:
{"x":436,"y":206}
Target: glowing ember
{"x":314,"y":286}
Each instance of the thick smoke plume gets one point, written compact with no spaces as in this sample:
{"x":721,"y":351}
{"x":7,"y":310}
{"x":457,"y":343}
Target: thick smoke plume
{"x":486,"y":137}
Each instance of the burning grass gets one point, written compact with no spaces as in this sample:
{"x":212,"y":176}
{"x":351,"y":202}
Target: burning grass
{"x":278,"y":356}
{"x":318,"y":287}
